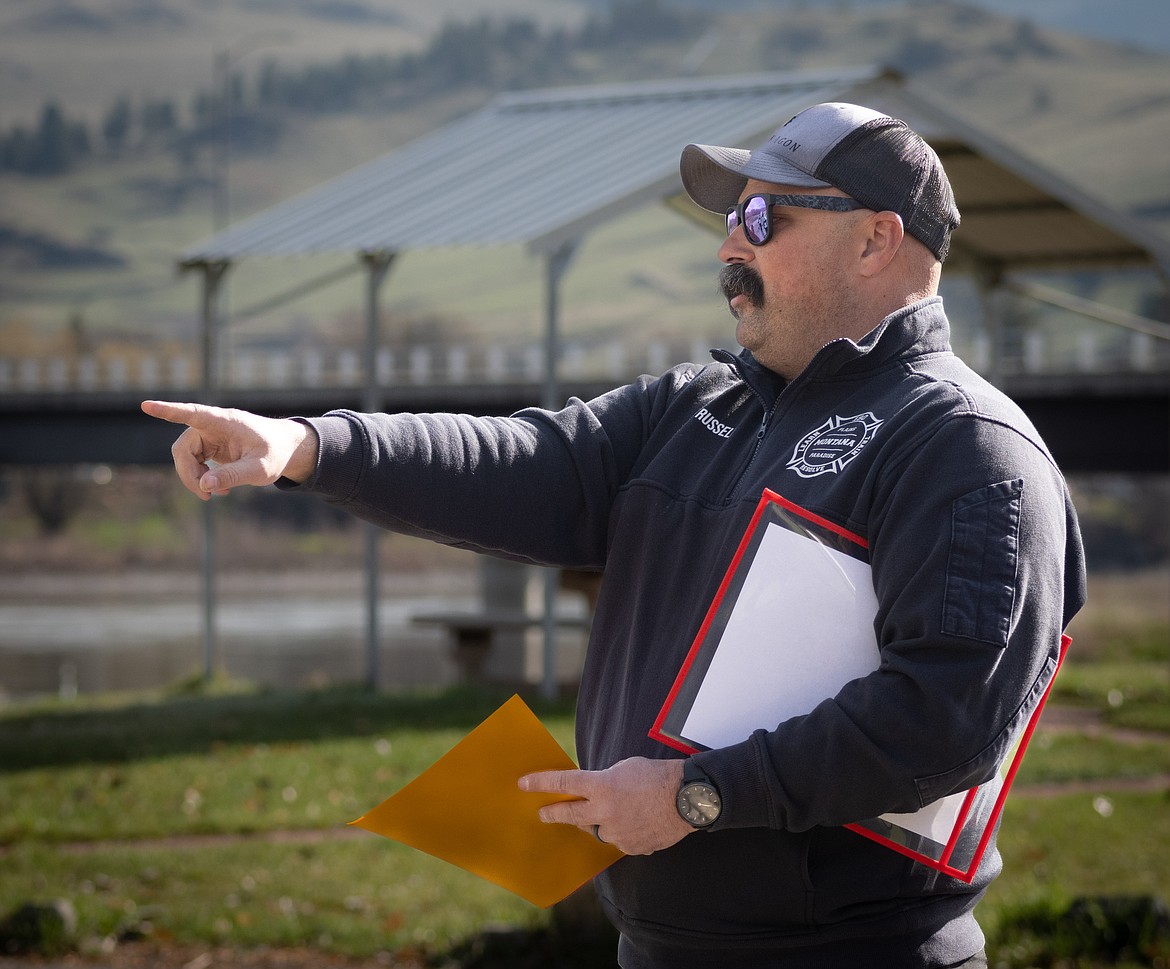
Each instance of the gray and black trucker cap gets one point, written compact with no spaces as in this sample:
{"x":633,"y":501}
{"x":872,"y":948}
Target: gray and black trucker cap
{"x":869,"y":156}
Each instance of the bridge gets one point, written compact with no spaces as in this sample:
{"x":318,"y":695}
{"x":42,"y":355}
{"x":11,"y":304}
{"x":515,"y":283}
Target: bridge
{"x":1101,"y":401}
{"x":1100,"y":395}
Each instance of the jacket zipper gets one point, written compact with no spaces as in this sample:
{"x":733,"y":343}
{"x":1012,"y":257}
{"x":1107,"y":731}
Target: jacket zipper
{"x":768,"y":412}
{"x":760,"y":434}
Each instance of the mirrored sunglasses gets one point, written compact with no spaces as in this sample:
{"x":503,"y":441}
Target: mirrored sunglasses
{"x":754,"y":213}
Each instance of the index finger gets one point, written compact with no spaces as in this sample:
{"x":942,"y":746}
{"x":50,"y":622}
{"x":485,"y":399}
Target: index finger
{"x":176,"y":413}
{"x":571,"y":783}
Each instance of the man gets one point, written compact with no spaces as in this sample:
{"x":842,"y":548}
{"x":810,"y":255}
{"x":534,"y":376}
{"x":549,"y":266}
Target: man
{"x":837,"y":229}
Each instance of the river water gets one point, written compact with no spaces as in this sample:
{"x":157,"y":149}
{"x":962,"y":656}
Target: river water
{"x":83,"y":633}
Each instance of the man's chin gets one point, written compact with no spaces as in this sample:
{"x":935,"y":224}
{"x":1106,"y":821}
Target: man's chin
{"x":743,"y":333}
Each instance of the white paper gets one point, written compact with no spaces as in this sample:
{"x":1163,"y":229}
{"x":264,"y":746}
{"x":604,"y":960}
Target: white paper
{"x":936,"y":821}
{"x":801,"y":628}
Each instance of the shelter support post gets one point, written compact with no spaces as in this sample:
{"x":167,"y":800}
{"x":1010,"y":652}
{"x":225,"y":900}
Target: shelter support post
{"x":211,"y":329}
{"x":555,"y":268}
{"x":377,"y":264}
{"x":988,"y":278}
{"x":1163,"y":271}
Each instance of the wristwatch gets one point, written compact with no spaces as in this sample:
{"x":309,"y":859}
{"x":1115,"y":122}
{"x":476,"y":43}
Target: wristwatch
{"x":698,"y":800}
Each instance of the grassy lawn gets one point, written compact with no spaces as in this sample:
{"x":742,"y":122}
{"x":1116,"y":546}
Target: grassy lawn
{"x":109,"y":803}
{"x":356,"y":896}
{"x":226,"y":764}
{"x":132,"y":808}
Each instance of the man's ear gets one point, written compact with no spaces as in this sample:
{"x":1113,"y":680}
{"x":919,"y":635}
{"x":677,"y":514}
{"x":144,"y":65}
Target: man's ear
{"x":882,"y":242}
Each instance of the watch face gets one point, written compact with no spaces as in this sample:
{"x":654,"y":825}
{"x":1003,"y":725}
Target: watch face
{"x":699,"y":804}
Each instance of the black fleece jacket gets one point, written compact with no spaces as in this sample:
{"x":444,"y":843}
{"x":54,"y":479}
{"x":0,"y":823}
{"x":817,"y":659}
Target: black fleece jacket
{"x":977,"y":567}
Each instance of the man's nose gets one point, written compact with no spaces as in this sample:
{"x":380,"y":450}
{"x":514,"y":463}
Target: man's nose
{"x":736,"y":248}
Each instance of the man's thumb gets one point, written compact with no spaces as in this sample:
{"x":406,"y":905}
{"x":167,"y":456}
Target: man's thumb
{"x":221,"y":479}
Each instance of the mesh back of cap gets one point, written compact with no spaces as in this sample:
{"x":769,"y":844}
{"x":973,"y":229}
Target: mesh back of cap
{"x":887,"y":166}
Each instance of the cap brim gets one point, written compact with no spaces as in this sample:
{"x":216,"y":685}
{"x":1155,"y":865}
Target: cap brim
{"x":715,"y":177}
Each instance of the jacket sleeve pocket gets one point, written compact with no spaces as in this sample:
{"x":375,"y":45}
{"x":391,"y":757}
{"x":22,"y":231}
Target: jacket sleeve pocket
{"x":981,"y":565}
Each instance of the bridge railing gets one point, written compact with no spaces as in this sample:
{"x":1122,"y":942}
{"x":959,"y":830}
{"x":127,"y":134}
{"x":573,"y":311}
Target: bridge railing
{"x":1033,"y":352}
{"x":1042,"y":352}
{"x":419,"y":365}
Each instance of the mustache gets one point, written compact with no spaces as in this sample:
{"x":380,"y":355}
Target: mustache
{"x":741,"y":280}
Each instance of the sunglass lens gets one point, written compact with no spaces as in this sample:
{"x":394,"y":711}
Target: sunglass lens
{"x":755,"y":220}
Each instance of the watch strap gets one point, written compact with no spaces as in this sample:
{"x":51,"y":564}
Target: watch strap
{"x":692,"y":772}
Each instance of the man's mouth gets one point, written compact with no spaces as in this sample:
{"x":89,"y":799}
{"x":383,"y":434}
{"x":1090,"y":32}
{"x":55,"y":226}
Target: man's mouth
{"x":740,"y":282}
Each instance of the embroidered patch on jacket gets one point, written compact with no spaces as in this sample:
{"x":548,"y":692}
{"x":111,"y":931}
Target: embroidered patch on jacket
{"x":713,"y":424}
{"x":833,"y":445}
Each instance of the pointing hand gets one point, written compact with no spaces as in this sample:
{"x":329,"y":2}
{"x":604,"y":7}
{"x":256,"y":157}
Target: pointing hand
{"x":222,"y":449}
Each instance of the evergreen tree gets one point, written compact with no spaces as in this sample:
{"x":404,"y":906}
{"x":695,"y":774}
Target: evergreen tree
{"x":116,"y":126}
{"x":53,"y":153}
{"x":159,"y":119}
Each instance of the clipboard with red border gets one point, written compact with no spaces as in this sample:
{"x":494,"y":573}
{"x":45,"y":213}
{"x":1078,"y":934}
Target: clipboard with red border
{"x":952,"y":834}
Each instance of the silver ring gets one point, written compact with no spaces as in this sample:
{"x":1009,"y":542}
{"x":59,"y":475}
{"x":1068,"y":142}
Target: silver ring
{"x":597,"y":834}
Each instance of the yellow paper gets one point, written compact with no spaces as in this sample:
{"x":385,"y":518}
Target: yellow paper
{"x":467,"y":810}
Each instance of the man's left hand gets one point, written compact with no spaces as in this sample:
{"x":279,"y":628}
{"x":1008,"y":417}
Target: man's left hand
{"x":631,"y":804}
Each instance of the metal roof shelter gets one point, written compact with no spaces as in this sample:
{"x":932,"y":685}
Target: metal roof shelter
{"x":542,"y":168}
{"x":617,"y":146}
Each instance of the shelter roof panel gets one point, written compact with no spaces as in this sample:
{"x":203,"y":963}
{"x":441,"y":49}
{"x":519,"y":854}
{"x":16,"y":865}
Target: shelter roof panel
{"x":1058,"y":224}
{"x":1042,"y":238}
{"x":525,"y":166}
{"x":978,"y":182}
{"x":541,"y":168}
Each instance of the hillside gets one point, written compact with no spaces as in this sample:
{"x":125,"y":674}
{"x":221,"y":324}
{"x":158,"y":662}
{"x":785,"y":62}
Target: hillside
{"x":86,"y":53}
{"x":91,"y":254}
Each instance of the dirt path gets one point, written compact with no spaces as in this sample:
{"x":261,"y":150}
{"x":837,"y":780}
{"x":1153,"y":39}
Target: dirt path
{"x":1088,"y":722}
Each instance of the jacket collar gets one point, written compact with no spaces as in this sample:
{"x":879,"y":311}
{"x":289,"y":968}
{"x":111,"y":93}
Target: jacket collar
{"x":914,"y":330}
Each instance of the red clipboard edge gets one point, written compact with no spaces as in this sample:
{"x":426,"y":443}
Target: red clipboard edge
{"x":768,"y":497}
{"x":968,"y":874}
{"x":808,"y":515}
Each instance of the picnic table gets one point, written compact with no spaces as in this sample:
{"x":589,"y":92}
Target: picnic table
{"x":473,"y":633}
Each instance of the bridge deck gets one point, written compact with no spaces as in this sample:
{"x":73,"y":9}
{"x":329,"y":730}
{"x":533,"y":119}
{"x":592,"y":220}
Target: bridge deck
{"x":1097,"y":412}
